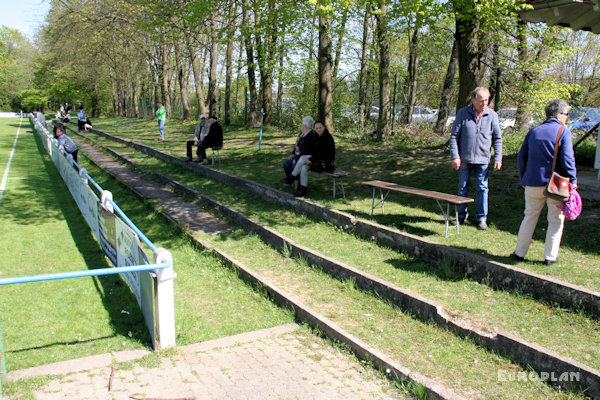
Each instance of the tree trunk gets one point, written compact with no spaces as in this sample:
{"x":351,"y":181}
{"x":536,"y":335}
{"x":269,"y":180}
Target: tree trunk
{"x":113,"y":89}
{"x":182,"y":78}
{"x":239,"y":74}
{"x":307,"y":87}
{"x":214,"y":62}
{"x":280,"y":82}
{"x":136,"y":99}
{"x":471,"y":68}
{"x":444,"y":109}
{"x":411,"y":79}
{"x":362,"y":87}
{"x":228,"y":79}
{"x":527,"y":77}
{"x":250,"y":58}
{"x":494,"y":102}
{"x":265,"y":54}
{"x":197,"y":70}
{"x":384,"y":123}
{"x":338,"y":44}
{"x":325,"y":84}
{"x":164,"y":68}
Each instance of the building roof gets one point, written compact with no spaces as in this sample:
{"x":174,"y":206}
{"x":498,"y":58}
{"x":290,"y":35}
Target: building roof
{"x":575,"y":14}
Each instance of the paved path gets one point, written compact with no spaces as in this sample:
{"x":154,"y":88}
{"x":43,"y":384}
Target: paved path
{"x":184,"y":213}
{"x":284,"y":362}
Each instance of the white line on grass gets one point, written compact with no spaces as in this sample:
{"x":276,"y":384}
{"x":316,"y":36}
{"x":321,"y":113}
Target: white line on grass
{"x":12,"y":152}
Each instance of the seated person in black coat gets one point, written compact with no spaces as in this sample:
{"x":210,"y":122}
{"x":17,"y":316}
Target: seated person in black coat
{"x":306,"y":145}
{"x":323,"y":159}
{"x":214,"y":138}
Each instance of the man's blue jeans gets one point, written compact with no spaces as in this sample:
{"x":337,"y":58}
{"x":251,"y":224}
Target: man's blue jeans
{"x":481,"y":182}
{"x":161,"y":126}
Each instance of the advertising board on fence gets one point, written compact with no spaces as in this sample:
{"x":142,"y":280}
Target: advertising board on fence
{"x":118,"y":241}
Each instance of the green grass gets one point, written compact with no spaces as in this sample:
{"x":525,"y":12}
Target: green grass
{"x":418,"y":345}
{"x":564,"y":331}
{"x":43,"y":231}
{"x":423,"y":167}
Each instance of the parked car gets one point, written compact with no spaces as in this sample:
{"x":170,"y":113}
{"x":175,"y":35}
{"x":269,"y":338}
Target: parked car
{"x":352,"y":112}
{"x":583,"y":119}
{"x":507,"y":118}
{"x":420,"y":114}
{"x":451,"y":118}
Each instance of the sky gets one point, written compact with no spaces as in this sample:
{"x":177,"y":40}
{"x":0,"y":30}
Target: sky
{"x":24,"y":15}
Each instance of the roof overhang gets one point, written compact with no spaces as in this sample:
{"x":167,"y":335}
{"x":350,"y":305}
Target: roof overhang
{"x":575,"y":14}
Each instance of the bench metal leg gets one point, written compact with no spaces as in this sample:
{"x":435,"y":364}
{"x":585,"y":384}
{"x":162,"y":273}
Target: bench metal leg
{"x":446,"y":215}
{"x":334,"y":188}
{"x":382,"y":201}
{"x":341,"y":183}
{"x":456,"y":216}
{"x":218,"y":156}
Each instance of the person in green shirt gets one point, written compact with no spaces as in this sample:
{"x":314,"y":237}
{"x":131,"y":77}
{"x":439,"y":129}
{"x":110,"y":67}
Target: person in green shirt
{"x":161,"y":115}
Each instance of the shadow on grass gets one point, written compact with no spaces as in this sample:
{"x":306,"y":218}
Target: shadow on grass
{"x":427,"y":167}
{"x":446,"y":272}
{"x":56,"y":344}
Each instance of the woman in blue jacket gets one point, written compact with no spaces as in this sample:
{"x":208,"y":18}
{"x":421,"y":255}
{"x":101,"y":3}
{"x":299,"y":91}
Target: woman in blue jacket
{"x":535,"y":169}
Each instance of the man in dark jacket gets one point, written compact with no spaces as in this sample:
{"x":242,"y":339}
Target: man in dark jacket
{"x":213,"y":139}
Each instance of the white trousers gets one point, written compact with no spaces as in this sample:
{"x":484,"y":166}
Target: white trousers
{"x":534,"y":204}
{"x":302,"y":169}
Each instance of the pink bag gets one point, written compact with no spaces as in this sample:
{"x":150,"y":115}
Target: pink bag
{"x":572,"y":207}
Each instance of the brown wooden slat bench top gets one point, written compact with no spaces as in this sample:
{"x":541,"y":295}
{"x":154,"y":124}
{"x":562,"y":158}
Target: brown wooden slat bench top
{"x":437,"y":196}
{"x":450,"y":198}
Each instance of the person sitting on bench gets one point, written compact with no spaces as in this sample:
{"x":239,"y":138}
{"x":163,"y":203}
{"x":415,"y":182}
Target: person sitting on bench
{"x":63,"y":140}
{"x":322,"y":161}
{"x":214,"y":138}
{"x":306,"y":145}
{"x":200,"y":133}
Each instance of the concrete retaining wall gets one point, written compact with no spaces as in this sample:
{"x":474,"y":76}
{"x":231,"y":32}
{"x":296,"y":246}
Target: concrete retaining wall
{"x":539,"y":358}
{"x":493,"y":273}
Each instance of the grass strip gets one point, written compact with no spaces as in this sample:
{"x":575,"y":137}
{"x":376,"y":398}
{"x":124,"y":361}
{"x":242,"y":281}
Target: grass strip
{"x":238,"y":239}
{"x":570,"y":334}
{"x":43,"y":231}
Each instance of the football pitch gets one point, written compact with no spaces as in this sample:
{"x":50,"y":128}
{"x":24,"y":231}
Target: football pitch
{"x":42,"y":231}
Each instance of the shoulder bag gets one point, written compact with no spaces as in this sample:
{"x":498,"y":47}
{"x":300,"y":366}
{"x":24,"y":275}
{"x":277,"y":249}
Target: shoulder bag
{"x":558,"y":187}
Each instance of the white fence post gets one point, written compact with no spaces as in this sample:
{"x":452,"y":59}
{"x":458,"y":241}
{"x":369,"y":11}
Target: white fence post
{"x":105,"y":200}
{"x":165,"y":302}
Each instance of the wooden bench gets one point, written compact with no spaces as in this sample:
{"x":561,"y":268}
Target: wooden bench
{"x":437,"y":196}
{"x":337,"y":177}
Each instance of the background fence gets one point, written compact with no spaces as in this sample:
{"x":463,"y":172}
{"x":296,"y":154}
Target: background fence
{"x":151,"y":283}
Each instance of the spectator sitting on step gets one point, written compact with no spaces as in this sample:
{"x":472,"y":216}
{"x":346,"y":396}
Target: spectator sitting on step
{"x":322,"y":161}
{"x":66,"y":118}
{"x":306,"y":145}
{"x":214,"y":138}
{"x":87,"y":125}
{"x":81,"y":118}
{"x":199,"y":133}
{"x":63,"y":140}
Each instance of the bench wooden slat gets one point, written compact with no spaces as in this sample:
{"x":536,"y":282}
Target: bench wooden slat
{"x":450,"y":198}
{"x":335,"y":174}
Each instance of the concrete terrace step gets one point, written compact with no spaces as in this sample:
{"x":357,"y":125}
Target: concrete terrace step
{"x":504,"y":343}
